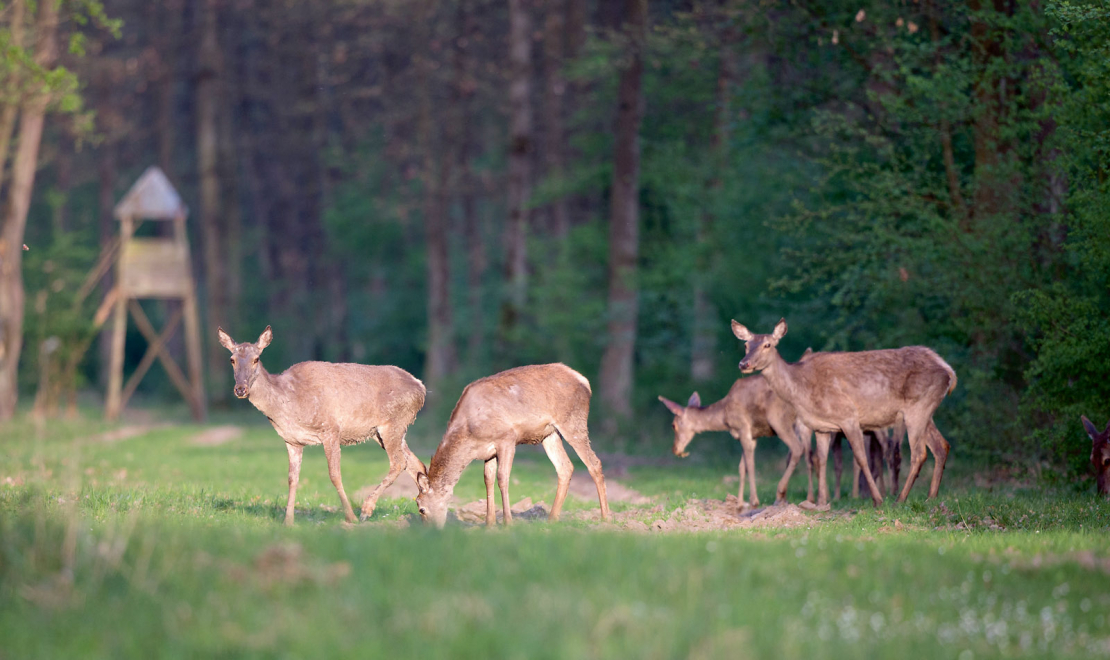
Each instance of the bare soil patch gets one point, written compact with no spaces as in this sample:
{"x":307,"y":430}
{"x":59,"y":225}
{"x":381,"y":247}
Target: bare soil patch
{"x":217,"y":435}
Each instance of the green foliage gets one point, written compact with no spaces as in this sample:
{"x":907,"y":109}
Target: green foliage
{"x":1069,"y":318}
{"x":930,"y":212}
{"x":58,"y":326}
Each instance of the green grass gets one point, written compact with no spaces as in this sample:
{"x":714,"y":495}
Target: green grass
{"x":153,"y":546}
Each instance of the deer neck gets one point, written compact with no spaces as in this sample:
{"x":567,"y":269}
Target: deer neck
{"x":447,"y":465}
{"x":780,"y":377}
{"x":709,"y":418}
{"x":268,"y":393}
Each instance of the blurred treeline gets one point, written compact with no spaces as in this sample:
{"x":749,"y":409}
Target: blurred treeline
{"x":440,"y":184}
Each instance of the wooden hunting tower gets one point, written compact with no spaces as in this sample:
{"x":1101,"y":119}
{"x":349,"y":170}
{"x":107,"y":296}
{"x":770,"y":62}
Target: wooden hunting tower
{"x":156,"y":268}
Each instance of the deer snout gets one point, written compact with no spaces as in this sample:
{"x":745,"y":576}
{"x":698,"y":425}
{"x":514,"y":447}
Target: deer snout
{"x":745,"y":366}
{"x":241,"y":391}
{"x":680,"y":453}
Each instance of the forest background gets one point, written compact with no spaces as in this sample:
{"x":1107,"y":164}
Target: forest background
{"x":461,"y":186}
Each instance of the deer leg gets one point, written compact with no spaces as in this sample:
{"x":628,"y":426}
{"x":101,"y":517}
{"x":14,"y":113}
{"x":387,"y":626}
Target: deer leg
{"x":331,"y":452}
{"x":742,"y":470}
{"x":743,"y":475}
{"x":917,"y":433}
{"x":795,"y":446}
{"x":504,"y":467}
{"x":553,"y":445}
{"x":579,"y":439}
{"x":838,"y":461}
{"x":395,"y":449}
{"x":859,"y":451}
{"x":803,"y":437}
{"x":295,"y":452}
{"x":823,"y":442}
{"x":855,"y":480}
{"x":749,"y":461}
{"x":490,"y":473}
{"x":898,"y":432}
{"x":939,"y":446}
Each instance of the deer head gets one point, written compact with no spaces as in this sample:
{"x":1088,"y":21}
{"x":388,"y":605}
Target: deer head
{"x":1100,"y":455}
{"x":244,"y":359}
{"x":683,"y":425}
{"x":760,"y":348}
{"x":431,"y":502}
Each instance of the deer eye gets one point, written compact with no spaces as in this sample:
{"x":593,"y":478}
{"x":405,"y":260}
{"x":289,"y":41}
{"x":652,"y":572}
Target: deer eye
{"x":767,"y":345}
{"x":233,"y":360}
{"x":254,"y":361}
{"x":423,"y":511}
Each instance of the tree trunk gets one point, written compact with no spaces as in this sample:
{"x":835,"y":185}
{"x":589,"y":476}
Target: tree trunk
{"x":31,"y":120}
{"x":520,"y":164}
{"x":463,"y":137}
{"x":441,"y":356}
{"x":703,"y":349}
{"x":211,"y":212}
{"x":624,"y":225}
{"x":554,"y":98}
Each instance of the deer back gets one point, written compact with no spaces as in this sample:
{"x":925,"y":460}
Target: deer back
{"x":524,"y":402}
{"x":352,"y":398}
{"x":876,"y":384}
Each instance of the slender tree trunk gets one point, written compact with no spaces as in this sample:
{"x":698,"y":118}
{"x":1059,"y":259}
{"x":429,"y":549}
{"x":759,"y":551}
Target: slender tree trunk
{"x":441,"y":356}
{"x":624,"y":225}
{"x":520,"y":164}
{"x":554,"y":97}
{"x":31,"y":121}
{"x":703,"y":351}
{"x":211,"y":211}
{"x":463,"y":138}
{"x":106,"y":201}
{"x":11,"y":109}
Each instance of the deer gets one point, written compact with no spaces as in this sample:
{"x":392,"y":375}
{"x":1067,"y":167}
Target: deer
{"x":884,"y":451}
{"x":535,"y":404}
{"x":1100,"y":454}
{"x":856,"y":391}
{"x":334,"y":405}
{"x":750,"y":410}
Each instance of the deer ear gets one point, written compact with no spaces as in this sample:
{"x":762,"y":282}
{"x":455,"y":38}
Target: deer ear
{"x":1089,"y":427}
{"x":265,"y":338}
{"x":422,"y":482}
{"x":742,"y":333}
{"x":780,"y":330}
{"x":672,"y":406}
{"x":694,"y":402}
{"x":809,"y":352}
{"x":225,"y":339}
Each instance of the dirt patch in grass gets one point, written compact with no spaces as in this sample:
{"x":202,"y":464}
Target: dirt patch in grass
{"x":582,"y":486}
{"x":696,"y":516}
{"x":125,"y":432}
{"x":217,"y":435}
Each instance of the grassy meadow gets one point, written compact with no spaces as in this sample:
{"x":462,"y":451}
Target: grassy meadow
{"x":145,"y":543}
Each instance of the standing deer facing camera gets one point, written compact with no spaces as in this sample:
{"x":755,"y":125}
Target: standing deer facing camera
{"x":1100,"y":455}
{"x":323,"y":403}
{"x":545,"y":403}
{"x":853,"y":392}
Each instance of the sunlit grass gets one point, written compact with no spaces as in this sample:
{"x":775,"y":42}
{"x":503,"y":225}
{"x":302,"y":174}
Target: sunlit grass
{"x":154,"y":546}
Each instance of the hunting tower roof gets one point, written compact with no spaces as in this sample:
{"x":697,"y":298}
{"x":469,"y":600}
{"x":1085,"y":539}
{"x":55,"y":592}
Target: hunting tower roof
{"x":152,"y":197}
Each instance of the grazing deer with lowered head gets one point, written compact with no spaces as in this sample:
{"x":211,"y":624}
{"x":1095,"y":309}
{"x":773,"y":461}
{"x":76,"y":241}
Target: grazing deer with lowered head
{"x":750,"y":410}
{"x":323,"y":403}
{"x":851,"y":392}
{"x":538,"y":404}
{"x":1100,"y":455}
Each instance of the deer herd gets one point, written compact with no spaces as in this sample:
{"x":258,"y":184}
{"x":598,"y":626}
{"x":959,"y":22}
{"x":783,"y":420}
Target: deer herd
{"x":871,"y":399}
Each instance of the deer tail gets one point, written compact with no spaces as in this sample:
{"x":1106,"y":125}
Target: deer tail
{"x":951,"y":374}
